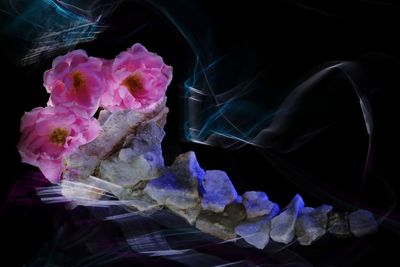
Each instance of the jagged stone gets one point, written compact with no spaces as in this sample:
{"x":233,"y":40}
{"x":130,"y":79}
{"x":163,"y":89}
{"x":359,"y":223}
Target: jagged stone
{"x":257,"y":204}
{"x":216,"y":226}
{"x":117,"y":128}
{"x":362,"y":222}
{"x":338,"y":224}
{"x":171,"y":190}
{"x":128,"y":173}
{"x":222,"y":225}
{"x":218,"y":191}
{"x":104,"y":185}
{"x":133,"y":196}
{"x":312,"y":224}
{"x":178,"y":188}
{"x":127,"y":159}
{"x":103,"y":116}
{"x":79,"y":166}
{"x":235,"y":210}
{"x":189,"y":214}
{"x":140,"y":157}
{"x":142,"y":202}
{"x":282,"y":226}
{"x":146,"y":141}
{"x":255,"y":231}
{"x":186,"y":165}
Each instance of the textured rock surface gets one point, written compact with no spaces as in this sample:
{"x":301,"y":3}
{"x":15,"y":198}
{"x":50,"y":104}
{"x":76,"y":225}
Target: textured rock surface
{"x":128,"y":172}
{"x":312,"y":224}
{"x":104,"y":185}
{"x":282,"y":226}
{"x":186,"y":165}
{"x":126,"y":161}
{"x":79,"y":166}
{"x":222,"y":225}
{"x":172,"y":190}
{"x":218,"y":191}
{"x":137,"y":198}
{"x":120,"y":131}
{"x":103,"y":116}
{"x":255,"y":231}
{"x":140,"y":157}
{"x":115,"y":128}
{"x":257,"y":204}
{"x":178,"y":188}
{"x":362,"y":222}
{"x":125,"y":154}
{"x":338,"y":225}
{"x":189,"y":214}
{"x":235,"y":210}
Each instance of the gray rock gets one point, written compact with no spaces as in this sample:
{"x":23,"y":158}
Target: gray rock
{"x":255,"y":231}
{"x":312,"y":224}
{"x":215,"y":226}
{"x":362,"y":222}
{"x":140,"y":157}
{"x":103,"y":116}
{"x":128,"y":173}
{"x":222,"y":225}
{"x":134,"y":197}
{"x":282,"y":226}
{"x":127,"y":159}
{"x":142,"y":202}
{"x":186,"y":166}
{"x":257,"y":204}
{"x":120,"y":124}
{"x":171,"y":190}
{"x":145,"y":141}
{"x":178,"y":188}
{"x":235,"y":210}
{"x":104,"y":185}
{"x":189,"y":214}
{"x":338,"y":224}
{"x":79,"y":166}
{"x":116,"y":127}
{"x":218,"y":191}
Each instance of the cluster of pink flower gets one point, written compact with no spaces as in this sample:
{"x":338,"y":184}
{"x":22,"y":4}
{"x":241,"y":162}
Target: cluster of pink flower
{"x":78,"y":85}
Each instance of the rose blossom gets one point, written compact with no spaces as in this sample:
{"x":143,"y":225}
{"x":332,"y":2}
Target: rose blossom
{"x":48,"y":134}
{"x":75,"y":80}
{"x":137,"y":79}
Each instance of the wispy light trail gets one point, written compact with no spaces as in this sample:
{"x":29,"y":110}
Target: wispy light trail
{"x":50,"y":26}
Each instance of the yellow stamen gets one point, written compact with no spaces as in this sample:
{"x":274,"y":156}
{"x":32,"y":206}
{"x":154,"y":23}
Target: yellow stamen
{"x":133,"y":83}
{"x":78,"y":80}
{"x":58,"y":136}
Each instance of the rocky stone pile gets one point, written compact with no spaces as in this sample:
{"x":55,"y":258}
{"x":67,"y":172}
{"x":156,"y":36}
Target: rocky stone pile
{"x":126,"y":160}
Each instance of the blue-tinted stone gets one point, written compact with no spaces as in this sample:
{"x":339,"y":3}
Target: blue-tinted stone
{"x":312,"y":224}
{"x":362,"y":222}
{"x":257,"y":204}
{"x":255,"y":231}
{"x":218,"y":191}
{"x":282,"y":226}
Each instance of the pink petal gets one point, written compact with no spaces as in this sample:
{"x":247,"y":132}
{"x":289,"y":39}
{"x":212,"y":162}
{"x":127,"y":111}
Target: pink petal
{"x":51,"y":169}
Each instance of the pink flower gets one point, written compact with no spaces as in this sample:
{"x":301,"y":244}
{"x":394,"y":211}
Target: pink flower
{"x":48,"y":134}
{"x":75,"y":80}
{"x":137,"y":79}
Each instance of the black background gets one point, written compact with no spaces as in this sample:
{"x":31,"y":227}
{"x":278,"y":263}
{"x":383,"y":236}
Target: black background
{"x":290,"y":39}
